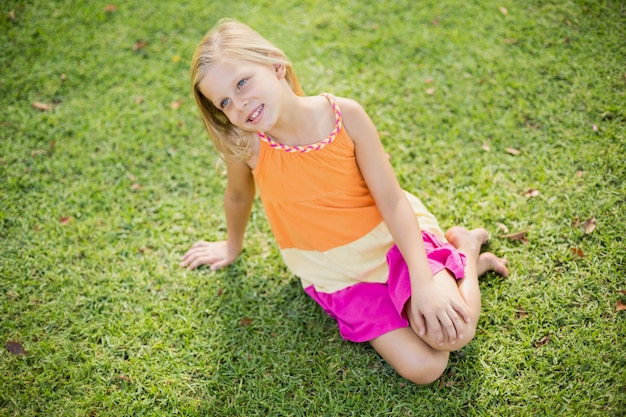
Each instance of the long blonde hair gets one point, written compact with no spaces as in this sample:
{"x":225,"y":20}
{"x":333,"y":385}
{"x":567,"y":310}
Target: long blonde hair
{"x":236,"y":41}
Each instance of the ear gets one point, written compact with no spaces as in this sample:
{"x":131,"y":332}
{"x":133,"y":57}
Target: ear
{"x":281,"y":70}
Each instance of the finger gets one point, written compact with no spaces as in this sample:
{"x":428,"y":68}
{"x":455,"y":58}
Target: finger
{"x":418,"y":325}
{"x":448,"y":328}
{"x":461,"y":310}
{"x":435,"y":329}
{"x":457,"y":322}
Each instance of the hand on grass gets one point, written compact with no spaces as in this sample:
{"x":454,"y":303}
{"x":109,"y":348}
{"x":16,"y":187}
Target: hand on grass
{"x":215,"y":254}
{"x":437,"y":313}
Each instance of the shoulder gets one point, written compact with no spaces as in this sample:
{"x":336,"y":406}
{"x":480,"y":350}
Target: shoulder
{"x":355,"y":119}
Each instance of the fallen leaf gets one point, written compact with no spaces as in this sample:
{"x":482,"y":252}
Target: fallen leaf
{"x":503,"y":10}
{"x":512,"y":151}
{"x":542,"y":341}
{"x":590,"y":225}
{"x":245,"y":322}
{"x":63,"y":77}
{"x":502,"y":227}
{"x":65,"y":220}
{"x":576,"y":222}
{"x":622,"y":291}
{"x":486,"y":147}
{"x":38,"y":152}
{"x":220,"y":291}
{"x":430,"y":91}
{"x":139,"y":100}
{"x":579,"y":174}
{"x":176,"y":104}
{"x":531,"y":193}
{"x":135,"y":187}
{"x":15,"y":348}
{"x":41,"y":106}
{"x":519,"y":236}
{"x":110,"y":8}
{"x":139,"y":45}
{"x":520,"y":313}
{"x":510,"y":41}
{"x":620,"y":306}
{"x":429,"y":80}
{"x":578,"y":252}
{"x":12,"y":15}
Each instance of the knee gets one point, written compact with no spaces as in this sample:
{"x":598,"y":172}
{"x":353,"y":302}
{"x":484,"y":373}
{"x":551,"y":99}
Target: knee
{"x":423,"y":372}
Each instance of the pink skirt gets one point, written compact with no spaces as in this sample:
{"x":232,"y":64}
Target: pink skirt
{"x":368,"y":310}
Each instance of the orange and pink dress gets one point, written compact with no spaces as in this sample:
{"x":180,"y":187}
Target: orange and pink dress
{"x":332,"y":236}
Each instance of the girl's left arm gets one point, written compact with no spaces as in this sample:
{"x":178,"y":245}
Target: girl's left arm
{"x":433,"y":310}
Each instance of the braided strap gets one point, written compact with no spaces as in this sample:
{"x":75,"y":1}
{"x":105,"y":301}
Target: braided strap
{"x":315,"y":146}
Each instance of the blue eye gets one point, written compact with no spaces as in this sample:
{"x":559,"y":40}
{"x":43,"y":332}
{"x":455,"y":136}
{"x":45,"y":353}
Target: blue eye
{"x":224,"y":102}
{"x":241,"y":83}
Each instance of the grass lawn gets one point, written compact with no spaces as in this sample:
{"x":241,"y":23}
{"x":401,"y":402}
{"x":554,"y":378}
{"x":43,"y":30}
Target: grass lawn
{"x":504,"y":114}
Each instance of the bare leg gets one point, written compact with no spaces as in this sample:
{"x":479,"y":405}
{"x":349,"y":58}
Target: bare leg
{"x":469,"y":242}
{"x":410,"y":356}
{"x":420,"y":359}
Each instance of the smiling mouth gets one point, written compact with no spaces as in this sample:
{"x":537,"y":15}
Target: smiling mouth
{"x":256,"y":113}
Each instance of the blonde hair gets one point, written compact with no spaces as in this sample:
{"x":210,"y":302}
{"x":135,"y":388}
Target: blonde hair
{"x":236,"y":41}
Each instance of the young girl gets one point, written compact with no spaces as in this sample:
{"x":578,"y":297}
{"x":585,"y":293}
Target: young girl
{"x":368,"y":252}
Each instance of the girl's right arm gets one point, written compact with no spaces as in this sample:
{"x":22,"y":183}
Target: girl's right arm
{"x":238,"y":199}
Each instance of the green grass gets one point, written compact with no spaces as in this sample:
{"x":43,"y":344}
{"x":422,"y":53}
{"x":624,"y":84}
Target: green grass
{"x":102,"y":194}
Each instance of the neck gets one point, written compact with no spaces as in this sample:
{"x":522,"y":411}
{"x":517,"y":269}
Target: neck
{"x":299,"y":120}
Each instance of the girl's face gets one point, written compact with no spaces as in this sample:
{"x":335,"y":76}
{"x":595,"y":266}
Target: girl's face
{"x":248,"y":93}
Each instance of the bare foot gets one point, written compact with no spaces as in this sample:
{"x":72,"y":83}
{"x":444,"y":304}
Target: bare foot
{"x":467,"y":241}
{"x":489,"y":262}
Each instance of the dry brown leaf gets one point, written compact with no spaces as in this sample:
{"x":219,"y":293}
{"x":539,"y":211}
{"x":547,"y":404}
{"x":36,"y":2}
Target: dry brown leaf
{"x":520,"y":313}
{"x":590,"y":225}
{"x":578,"y":252}
{"x":41,"y":106}
{"x":510,"y":41}
{"x":430,"y":91}
{"x":65,"y":220}
{"x":622,"y":291}
{"x":245,"y":322}
{"x":542,"y":341}
{"x":502,"y":227}
{"x":504,"y":10}
{"x":512,"y":151}
{"x":15,"y":348}
{"x":519,"y":236}
{"x":429,"y":80}
{"x":12,"y":15}
{"x":139,"y":99}
{"x":135,"y":187}
{"x":176,"y":104}
{"x":110,"y":8}
{"x":486,"y":147}
{"x":620,"y":306}
{"x":139,"y":45}
{"x":531,"y":193}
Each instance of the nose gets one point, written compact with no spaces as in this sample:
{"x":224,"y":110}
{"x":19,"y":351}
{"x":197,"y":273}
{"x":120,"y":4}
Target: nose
{"x":241,"y":103}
